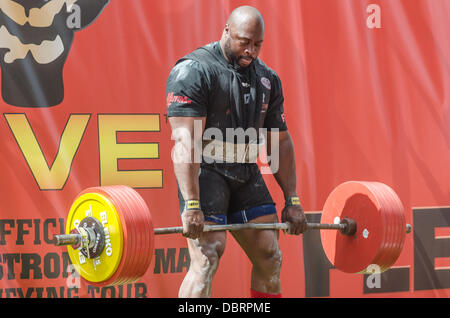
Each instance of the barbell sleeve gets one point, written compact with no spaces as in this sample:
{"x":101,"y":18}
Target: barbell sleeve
{"x":67,"y":239}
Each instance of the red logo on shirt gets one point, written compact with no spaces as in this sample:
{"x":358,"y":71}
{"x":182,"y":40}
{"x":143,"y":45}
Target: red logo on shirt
{"x":171,"y":98}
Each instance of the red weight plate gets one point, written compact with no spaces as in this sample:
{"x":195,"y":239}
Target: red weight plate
{"x":144,"y":231}
{"x":147,"y":244}
{"x":139,"y":230}
{"x":400,"y":211}
{"x":375,"y":233}
{"x":129,"y":215}
{"x":390,"y":257}
{"x":397,"y":220}
{"x":143,"y":239}
{"x":390,"y":225}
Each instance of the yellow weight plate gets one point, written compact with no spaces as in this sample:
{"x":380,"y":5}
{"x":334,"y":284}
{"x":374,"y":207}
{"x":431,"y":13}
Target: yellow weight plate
{"x":105,"y":265}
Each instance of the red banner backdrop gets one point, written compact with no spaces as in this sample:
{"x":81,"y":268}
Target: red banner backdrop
{"x":366,"y":87}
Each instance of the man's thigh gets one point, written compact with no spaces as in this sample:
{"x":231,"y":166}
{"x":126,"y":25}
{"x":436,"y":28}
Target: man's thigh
{"x":214,"y":196}
{"x":257,"y":244}
{"x":253,"y":193}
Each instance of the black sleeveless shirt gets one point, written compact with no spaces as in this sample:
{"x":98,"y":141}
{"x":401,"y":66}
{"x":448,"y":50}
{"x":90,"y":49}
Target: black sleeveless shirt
{"x":205,"y":84}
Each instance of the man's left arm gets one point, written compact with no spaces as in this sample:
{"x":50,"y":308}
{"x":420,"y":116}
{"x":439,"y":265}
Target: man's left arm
{"x":286,"y":177}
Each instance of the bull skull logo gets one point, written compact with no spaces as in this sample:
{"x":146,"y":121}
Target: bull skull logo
{"x":35,"y":40}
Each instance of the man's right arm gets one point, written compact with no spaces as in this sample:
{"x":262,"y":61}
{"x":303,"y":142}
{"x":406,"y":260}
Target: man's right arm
{"x":187,"y":90}
{"x":186,"y":157}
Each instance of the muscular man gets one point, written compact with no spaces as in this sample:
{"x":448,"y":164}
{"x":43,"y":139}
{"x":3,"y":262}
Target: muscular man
{"x":218,"y":87}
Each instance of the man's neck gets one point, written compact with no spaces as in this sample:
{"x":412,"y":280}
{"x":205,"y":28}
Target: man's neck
{"x":222,"y":48}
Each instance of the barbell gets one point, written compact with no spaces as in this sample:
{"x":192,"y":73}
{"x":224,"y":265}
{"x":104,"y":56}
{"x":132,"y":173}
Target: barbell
{"x":110,"y":236}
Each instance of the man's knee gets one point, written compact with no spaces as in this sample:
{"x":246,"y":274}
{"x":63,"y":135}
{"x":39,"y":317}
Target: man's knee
{"x":207,"y":258}
{"x":269,"y":260}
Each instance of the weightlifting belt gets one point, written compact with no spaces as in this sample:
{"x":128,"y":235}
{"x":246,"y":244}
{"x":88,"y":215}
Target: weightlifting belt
{"x":221,"y":151}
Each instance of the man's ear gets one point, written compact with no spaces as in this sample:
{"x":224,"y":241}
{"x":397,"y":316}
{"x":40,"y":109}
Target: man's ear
{"x":226,"y":30}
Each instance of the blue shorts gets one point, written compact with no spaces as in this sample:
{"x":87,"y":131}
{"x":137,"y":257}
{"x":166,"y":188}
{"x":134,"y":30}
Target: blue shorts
{"x":242,"y":216}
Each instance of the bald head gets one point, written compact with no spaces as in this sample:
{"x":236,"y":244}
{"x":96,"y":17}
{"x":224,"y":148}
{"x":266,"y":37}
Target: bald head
{"x":242,"y":36}
{"x":244,"y":16}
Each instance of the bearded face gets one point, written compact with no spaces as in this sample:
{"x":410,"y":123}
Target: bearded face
{"x":35,"y":40}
